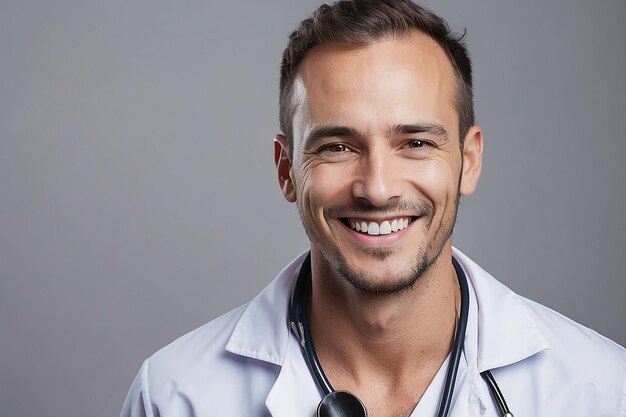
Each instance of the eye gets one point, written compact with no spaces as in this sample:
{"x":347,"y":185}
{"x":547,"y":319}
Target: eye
{"x":416,"y":143}
{"x":334,"y":148}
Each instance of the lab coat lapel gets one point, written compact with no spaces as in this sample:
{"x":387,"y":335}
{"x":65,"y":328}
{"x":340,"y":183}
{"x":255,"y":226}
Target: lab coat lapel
{"x":500,"y":332}
{"x":294,"y":393}
{"x":262,"y":333}
{"x":467,"y":401}
{"x":506,"y":332}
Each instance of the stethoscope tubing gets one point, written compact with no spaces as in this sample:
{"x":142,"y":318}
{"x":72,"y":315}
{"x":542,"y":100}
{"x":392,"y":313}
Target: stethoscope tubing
{"x":459,"y":341}
{"x":298,"y":317}
{"x":498,"y":398}
{"x":299,"y":306}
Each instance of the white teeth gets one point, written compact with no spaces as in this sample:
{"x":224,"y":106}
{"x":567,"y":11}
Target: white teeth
{"x":384,"y":228}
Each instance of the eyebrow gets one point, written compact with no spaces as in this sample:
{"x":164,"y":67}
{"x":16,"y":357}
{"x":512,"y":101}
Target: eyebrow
{"x":322,"y":132}
{"x":432,"y":128}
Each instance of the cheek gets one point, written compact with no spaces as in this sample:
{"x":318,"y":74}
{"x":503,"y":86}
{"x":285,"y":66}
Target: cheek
{"x":328,"y":185}
{"x":435,"y":179}
{"x":319,"y":188}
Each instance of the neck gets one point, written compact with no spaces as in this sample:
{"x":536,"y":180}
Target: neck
{"x":395,"y":338}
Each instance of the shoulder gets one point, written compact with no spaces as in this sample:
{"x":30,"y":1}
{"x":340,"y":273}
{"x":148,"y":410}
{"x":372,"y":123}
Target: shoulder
{"x":588,"y":356}
{"x":205,"y":344}
{"x":197,"y":375}
{"x":196,"y":361}
{"x":580,"y":369}
{"x":575,"y":344}
{"x":256,"y":331}
{"x":513,"y":322}
{"x":541,"y":359}
{"x":226,"y":366}
{"x":564,"y":334}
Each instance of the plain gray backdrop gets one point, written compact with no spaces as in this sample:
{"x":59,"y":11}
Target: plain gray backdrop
{"x":138,"y":197}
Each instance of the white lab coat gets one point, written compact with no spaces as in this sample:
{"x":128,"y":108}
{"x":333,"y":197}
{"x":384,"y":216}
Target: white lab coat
{"x":247,"y":363}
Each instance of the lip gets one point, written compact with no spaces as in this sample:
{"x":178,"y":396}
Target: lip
{"x":377,"y":241}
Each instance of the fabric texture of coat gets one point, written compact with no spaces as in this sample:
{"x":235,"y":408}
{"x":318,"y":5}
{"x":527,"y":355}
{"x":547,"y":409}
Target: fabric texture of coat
{"x":247,"y":363}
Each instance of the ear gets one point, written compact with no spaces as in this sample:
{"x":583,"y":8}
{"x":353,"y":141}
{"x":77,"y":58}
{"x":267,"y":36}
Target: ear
{"x":283,"y":168}
{"x":472,"y":160}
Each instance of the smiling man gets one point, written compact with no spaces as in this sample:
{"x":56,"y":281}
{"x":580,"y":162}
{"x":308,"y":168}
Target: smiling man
{"x":377,"y":141}
{"x":382,"y":317}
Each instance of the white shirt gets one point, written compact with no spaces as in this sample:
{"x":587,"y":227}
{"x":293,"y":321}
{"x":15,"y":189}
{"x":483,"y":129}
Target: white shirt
{"x":247,"y":363}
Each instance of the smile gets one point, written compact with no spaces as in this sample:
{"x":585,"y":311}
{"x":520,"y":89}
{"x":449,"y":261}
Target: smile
{"x":385,"y":227}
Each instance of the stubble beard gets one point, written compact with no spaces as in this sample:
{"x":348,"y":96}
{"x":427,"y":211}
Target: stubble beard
{"x":367,"y":284}
{"x":422,"y":261}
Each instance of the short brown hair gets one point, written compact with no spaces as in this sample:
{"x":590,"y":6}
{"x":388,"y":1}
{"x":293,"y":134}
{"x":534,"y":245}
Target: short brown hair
{"x":360,"y":23}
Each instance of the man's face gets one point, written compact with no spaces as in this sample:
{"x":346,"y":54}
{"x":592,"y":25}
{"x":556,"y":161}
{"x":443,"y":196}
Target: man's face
{"x":377,"y":166}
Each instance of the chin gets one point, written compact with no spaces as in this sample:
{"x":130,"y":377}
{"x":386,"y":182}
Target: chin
{"x":383,"y":279}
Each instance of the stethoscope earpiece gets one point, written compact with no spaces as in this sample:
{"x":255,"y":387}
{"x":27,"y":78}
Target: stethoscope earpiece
{"x":341,"y":404}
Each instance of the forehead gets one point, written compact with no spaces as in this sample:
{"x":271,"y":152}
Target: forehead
{"x":412,"y":75}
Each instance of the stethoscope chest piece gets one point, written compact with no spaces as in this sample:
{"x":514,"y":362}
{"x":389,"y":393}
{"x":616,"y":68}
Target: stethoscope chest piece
{"x":341,"y":404}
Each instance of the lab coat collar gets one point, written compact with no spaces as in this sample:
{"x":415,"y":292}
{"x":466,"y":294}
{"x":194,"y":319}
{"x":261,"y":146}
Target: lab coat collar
{"x":502,"y":331}
{"x":258,"y":334}
{"x":263,"y":333}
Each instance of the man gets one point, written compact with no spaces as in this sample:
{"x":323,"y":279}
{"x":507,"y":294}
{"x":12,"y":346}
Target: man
{"x":378,"y":145}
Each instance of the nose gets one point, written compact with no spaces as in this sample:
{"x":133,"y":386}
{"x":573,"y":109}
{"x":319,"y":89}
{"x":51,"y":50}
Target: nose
{"x":379,"y":179}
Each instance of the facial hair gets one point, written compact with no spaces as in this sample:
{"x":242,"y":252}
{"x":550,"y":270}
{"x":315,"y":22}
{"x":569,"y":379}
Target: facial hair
{"x":424,"y":256}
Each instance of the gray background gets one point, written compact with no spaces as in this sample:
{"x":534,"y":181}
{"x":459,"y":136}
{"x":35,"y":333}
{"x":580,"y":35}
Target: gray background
{"x":138,"y":197}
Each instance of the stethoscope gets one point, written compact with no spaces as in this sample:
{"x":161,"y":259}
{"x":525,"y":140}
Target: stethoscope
{"x":346,"y":404}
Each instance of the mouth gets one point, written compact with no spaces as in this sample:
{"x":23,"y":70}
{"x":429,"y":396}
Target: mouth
{"x":381,"y":227}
